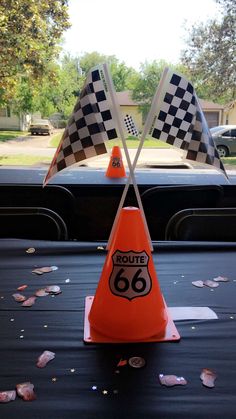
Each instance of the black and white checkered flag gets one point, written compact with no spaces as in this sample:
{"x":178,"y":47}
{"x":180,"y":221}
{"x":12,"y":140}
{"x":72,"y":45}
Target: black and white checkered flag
{"x":179,"y":120}
{"x":89,"y":127}
{"x":130,"y":126}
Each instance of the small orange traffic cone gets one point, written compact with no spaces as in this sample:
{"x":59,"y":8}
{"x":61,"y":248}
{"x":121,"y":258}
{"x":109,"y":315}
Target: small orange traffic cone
{"x":128,"y":305}
{"x":116,"y":167}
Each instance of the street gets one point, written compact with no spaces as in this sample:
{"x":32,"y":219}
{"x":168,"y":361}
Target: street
{"x":39,"y":145}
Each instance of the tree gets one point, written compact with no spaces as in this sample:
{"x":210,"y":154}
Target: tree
{"x":123,"y":77}
{"x":210,"y":54}
{"x":69,"y":84}
{"x":29,"y":38}
{"x":148,"y":81}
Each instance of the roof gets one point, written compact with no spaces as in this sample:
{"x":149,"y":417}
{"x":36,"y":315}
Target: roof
{"x":206,"y":105}
{"x":125,"y":99}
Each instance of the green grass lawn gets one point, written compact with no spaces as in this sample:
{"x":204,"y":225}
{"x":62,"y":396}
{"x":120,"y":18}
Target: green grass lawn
{"x":229,"y":160}
{"x":10,"y":135}
{"x":23,"y":160}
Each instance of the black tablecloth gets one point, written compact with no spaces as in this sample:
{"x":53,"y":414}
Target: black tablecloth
{"x":64,"y":386}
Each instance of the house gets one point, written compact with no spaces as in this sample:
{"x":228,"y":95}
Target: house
{"x":230,"y":113}
{"x":11,"y":122}
{"x":213,"y":112}
{"x":129,"y":107}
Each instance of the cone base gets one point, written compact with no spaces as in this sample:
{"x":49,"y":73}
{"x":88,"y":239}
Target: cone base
{"x":92,"y":336}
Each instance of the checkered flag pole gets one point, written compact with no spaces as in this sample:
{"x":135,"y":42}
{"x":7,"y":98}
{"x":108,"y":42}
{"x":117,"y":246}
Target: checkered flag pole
{"x":89,"y":127}
{"x":130,"y":126}
{"x":176,"y":118}
{"x":143,"y":135}
{"x":120,"y":127}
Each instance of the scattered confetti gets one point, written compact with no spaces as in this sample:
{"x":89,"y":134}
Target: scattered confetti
{"x":30,"y":250}
{"x":45,"y":326}
{"x":208,"y":377}
{"x":54,"y":268}
{"x":193,"y":327}
{"x":104,"y":392}
{"x":231,"y":317}
{"x":54,"y":379}
{"x":122,"y":363}
{"x":44,"y":269}
{"x":12,"y":320}
{"x":44,"y":358}
{"x":72,"y":370}
{"x":41,"y":293}
{"x":100,"y":248}
{"x":7,"y":396}
{"x":19,"y":297}
{"x":22,"y":287}
{"x":221,"y":279}
{"x":53,"y":289}
{"x":171,"y":380}
{"x":67,"y":280}
{"x":198,"y":284}
{"x":26,"y":391}
{"x":211,"y":284}
{"x":29,"y":302}
{"x":21,"y":336}
{"x":115,"y":391}
{"x":137,"y":362}
{"x":94,"y":388}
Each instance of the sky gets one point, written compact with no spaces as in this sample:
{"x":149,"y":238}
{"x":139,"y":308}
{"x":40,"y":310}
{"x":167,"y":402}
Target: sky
{"x":134,"y":31}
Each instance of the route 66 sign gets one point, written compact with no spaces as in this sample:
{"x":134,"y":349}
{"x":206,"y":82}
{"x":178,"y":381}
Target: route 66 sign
{"x":116,"y":162}
{"x":130,"y":277}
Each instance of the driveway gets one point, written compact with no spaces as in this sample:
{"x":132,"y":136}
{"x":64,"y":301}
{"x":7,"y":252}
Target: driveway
{"x":38,"y":145}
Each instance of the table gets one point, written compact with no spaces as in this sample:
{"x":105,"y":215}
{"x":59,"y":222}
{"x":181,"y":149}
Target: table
{"x":65,"y":387}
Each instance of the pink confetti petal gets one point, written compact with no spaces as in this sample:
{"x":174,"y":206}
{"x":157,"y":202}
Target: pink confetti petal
{"x":46,"y":269}
{"x":41,"y":293}
{"x":198,"y":284}
{"x":208,"y":377}
{"x":211,"y":284}
{"x":29,"y":302}
{"x":221,"y":279}
{"x":26,"y":391}
{"x":44,"y":358}
{"x":7,"y":396}
{"x":171,"y":380}
{"x":19,"y":297}
{"x":37,"y":271}
{"x":22,"y":287}
{"x":53,"y":289}
{"x":42,"y":270}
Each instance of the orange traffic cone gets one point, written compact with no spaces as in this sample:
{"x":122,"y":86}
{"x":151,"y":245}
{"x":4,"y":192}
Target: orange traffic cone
{"x":116,"y":167}
{"x":128,"y":305}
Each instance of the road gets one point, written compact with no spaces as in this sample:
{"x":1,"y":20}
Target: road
{"x":40,"y":146}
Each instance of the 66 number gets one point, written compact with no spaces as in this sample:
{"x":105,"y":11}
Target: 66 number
{"x":122,"y":284}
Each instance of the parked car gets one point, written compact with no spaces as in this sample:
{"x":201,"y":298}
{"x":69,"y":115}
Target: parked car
{"x":224,"y":137}
{"x":42,"y":126}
